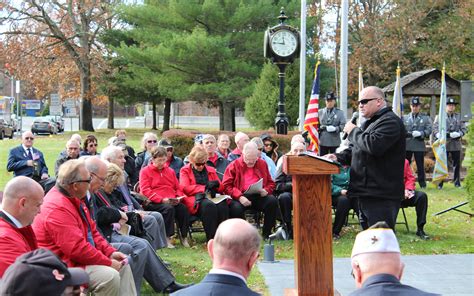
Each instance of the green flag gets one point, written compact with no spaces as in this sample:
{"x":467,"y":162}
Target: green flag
{"x":440,"y":172}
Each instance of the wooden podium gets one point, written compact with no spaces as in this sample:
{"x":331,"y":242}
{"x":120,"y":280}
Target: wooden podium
{"x":312,"y":224}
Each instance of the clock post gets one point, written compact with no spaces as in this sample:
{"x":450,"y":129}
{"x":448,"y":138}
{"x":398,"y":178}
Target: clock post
{"x":281,"y":45}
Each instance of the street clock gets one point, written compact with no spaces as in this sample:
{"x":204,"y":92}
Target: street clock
{"x":281,"y":42}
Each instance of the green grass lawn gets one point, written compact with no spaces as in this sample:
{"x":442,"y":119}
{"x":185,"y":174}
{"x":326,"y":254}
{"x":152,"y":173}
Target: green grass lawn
{"x":451,"y":233}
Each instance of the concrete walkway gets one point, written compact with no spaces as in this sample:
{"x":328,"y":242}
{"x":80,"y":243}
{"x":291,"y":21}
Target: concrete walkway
{"x":442,"y":274}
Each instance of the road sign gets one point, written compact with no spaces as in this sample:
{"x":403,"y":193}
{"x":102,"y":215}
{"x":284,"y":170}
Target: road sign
{"x":55,"y":105}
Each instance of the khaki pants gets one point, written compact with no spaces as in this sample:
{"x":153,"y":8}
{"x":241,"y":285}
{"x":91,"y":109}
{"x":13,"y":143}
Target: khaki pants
{"x":104,"y":280}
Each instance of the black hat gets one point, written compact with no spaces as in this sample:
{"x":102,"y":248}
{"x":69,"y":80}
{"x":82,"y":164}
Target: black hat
{"x":165,"y":143}
{"x":40,"y":272}
{"x":330,"y":96}
{"x":451,"y":101}
{"x":415,"y":101}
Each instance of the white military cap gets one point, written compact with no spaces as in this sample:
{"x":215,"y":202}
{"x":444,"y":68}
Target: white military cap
{"x":376,"y":240}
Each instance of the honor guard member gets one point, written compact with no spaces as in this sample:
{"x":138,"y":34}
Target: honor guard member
{"x":331,"y":123}
{"x":455,"y":129}
{"x":418,"y":126}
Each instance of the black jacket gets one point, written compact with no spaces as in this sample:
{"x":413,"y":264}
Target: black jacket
{"x":106,"y":214}
{"x":378,"y":157}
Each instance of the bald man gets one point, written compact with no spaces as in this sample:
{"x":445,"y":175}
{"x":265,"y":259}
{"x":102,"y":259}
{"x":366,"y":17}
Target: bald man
{"x":233,"y":251}
{"x":377,"y":266}
{"x":25,"y":160}
{"x":377,"y":157}
{"x":22,"y":200}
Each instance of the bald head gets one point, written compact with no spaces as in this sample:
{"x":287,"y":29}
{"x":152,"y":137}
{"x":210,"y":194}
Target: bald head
{"x":374,"y":101}
{"x":98,"y":171}
{"x":27,"y":139}
{"x":22,"y":199}
{"x":368,"y":264}
{"x":235,"y":246}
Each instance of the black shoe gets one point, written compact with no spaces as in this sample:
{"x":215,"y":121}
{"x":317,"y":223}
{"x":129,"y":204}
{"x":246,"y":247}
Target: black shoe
{"x":422,"y":235}
{"x":176,"y":287}
{"x":457,"y":185}
{"x":440,"y":186}
{"x":423,"y":186}
{"x":335,"y":236}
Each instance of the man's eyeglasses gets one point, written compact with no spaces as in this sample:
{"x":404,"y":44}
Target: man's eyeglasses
{"x":199,"y":164}
{"x":93,"y":145}
{"x":365,"y":101}
{"x":101,"y":179}
{"x":152,"y":141}
{"x":82,"y":181}
{"x":29,"y":138}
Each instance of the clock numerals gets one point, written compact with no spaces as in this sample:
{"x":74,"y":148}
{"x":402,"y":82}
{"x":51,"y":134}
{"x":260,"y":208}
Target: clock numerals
{"x":284,"y":43}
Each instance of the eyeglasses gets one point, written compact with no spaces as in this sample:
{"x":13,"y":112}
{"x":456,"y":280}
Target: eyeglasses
{"x":29,"y":138}
{"x":93,"y":145}
{"x":101,"y":179}
{"x":365,"y":101}
{"x":199,"y":164}
{"x":151,"y":141}
{"x":82,"y":181}
{"x":170,"y":149}
{"x":269,"y":145}
{"x":260,"y":149}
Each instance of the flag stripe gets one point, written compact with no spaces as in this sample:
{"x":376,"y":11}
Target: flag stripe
{"x":311,"y":119}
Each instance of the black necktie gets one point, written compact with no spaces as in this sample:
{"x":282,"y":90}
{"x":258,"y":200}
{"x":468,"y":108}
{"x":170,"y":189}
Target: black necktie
{"x":30,"y":156}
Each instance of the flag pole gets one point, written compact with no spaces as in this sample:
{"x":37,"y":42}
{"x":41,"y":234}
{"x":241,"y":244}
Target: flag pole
{"x":344,"y":42}
{"x":302,"y":102}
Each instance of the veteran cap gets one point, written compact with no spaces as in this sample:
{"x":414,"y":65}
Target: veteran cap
{"x":375,"y":240}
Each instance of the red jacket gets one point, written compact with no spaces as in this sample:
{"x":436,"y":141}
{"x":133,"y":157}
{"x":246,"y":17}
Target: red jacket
{"x":61,"y":228}
{"x":190,"y":188}
{"x":158,"y":184}
{"x":14,"y":242}
{"x":233,"y":177}
{"x":408,"y":177}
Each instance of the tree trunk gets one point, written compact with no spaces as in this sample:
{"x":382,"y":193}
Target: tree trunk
{"x":233,"y":118}
{"x":154,"y":114}
{"x":86,"y":94}
{"x":221,"y":116}
{"x":228,"y":116}
{"x":110,"y":111}
{"x":167,"y":115}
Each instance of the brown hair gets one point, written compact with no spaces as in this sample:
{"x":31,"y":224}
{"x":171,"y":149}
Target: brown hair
{"x":89,"y":139}
{"x":198,"y":154}
{"x":158,"y":151}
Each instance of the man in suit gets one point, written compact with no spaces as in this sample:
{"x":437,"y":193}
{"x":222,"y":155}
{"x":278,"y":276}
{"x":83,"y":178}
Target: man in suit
{"x":21,"y":203}
{"x":24,"y":160}
{"x":455,"y":130}
{"x":376,"y":264}
{"x":418,"y":126}
{"x":331,"y":123}
{"x":234,"y":251}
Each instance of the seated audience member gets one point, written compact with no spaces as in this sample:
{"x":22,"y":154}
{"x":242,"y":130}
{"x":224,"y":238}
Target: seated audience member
{"x":123,"y":199}
{"x":376,"y":264}
{"x":239,"y":176}
{"x":149,"y":141}
{"x":74,"y":137}
{"x":173,"y":162}
{"x":21,"y":202}
{"x":65,"y":227}
{"x":129,"y":167}
{"x":72,"y":152}
{"x":160,"y":185}
{"x":223,"y":144}
{"x":240,"y":140}
{"x":271,"y":165}
{"x":270,"y":147}
{"x":197,"y":180}
{"x":215,"y":159}
{"x":90,"y":146}
{"x":122,"y":138}
{"x":342,"y":202}
{"x":110,"y":219}
{"x":298,"y":139}
{"x":41,"y":272}
{"x":284,"y":189}
{"x":233,"y":252}
{"x":25,"y":160}
{"x":417,"y":199}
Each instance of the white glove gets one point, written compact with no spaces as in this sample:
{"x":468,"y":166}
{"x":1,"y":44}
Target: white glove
{"x":454,"y":135}
{"x":437,"y":135}
{"x":416,"y":134}
{"x":330,"y":129}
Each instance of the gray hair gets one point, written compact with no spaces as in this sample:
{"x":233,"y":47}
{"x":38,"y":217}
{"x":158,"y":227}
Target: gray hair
{"x":145,"y":138}
{"x":110,"y":153}
{"x":249,"y":147}
{"x":209,"y":136}
{"x":258,"y":141}
{"x":69,"y":172}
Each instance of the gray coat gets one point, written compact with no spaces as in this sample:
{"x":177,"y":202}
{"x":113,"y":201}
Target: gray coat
{"x":337,"y":119}
{"x":421,"y":123}
{"x":453,"y":124}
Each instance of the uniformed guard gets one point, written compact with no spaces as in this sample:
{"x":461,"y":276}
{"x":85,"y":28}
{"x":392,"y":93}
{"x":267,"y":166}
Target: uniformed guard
{"x":418,"y":126}
{"x":331,"y":124}
{"x":455,"y":129}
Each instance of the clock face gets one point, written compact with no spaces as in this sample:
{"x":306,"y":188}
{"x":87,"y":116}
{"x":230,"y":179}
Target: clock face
{"x":284,"y":43}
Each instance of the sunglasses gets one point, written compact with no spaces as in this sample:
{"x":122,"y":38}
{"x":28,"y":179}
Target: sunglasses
{"x":151,"y":141}
{"x":365,"y":101}
{"x":82,"y":181}
{"x":169,"y":149}
{"x":93,"y":145}
{"x":199,"y":164}
{"x":29,"y":138}
{"x":268,"y":145}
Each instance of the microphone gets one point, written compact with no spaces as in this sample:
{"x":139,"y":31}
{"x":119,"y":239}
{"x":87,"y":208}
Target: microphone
{"x":355,"y":116}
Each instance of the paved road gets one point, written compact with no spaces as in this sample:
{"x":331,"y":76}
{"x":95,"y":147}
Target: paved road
{"x":72,"y":124}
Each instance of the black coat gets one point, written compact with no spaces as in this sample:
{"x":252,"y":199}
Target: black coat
{"x":105,"y":214}
{"x":378,"y":157}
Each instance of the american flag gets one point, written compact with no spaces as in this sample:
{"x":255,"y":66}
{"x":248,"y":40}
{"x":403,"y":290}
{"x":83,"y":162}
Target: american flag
{"x":311,"y":120}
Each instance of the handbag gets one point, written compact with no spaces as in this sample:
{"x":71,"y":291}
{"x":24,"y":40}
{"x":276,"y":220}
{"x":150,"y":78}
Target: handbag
{"x":136,"y":224}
